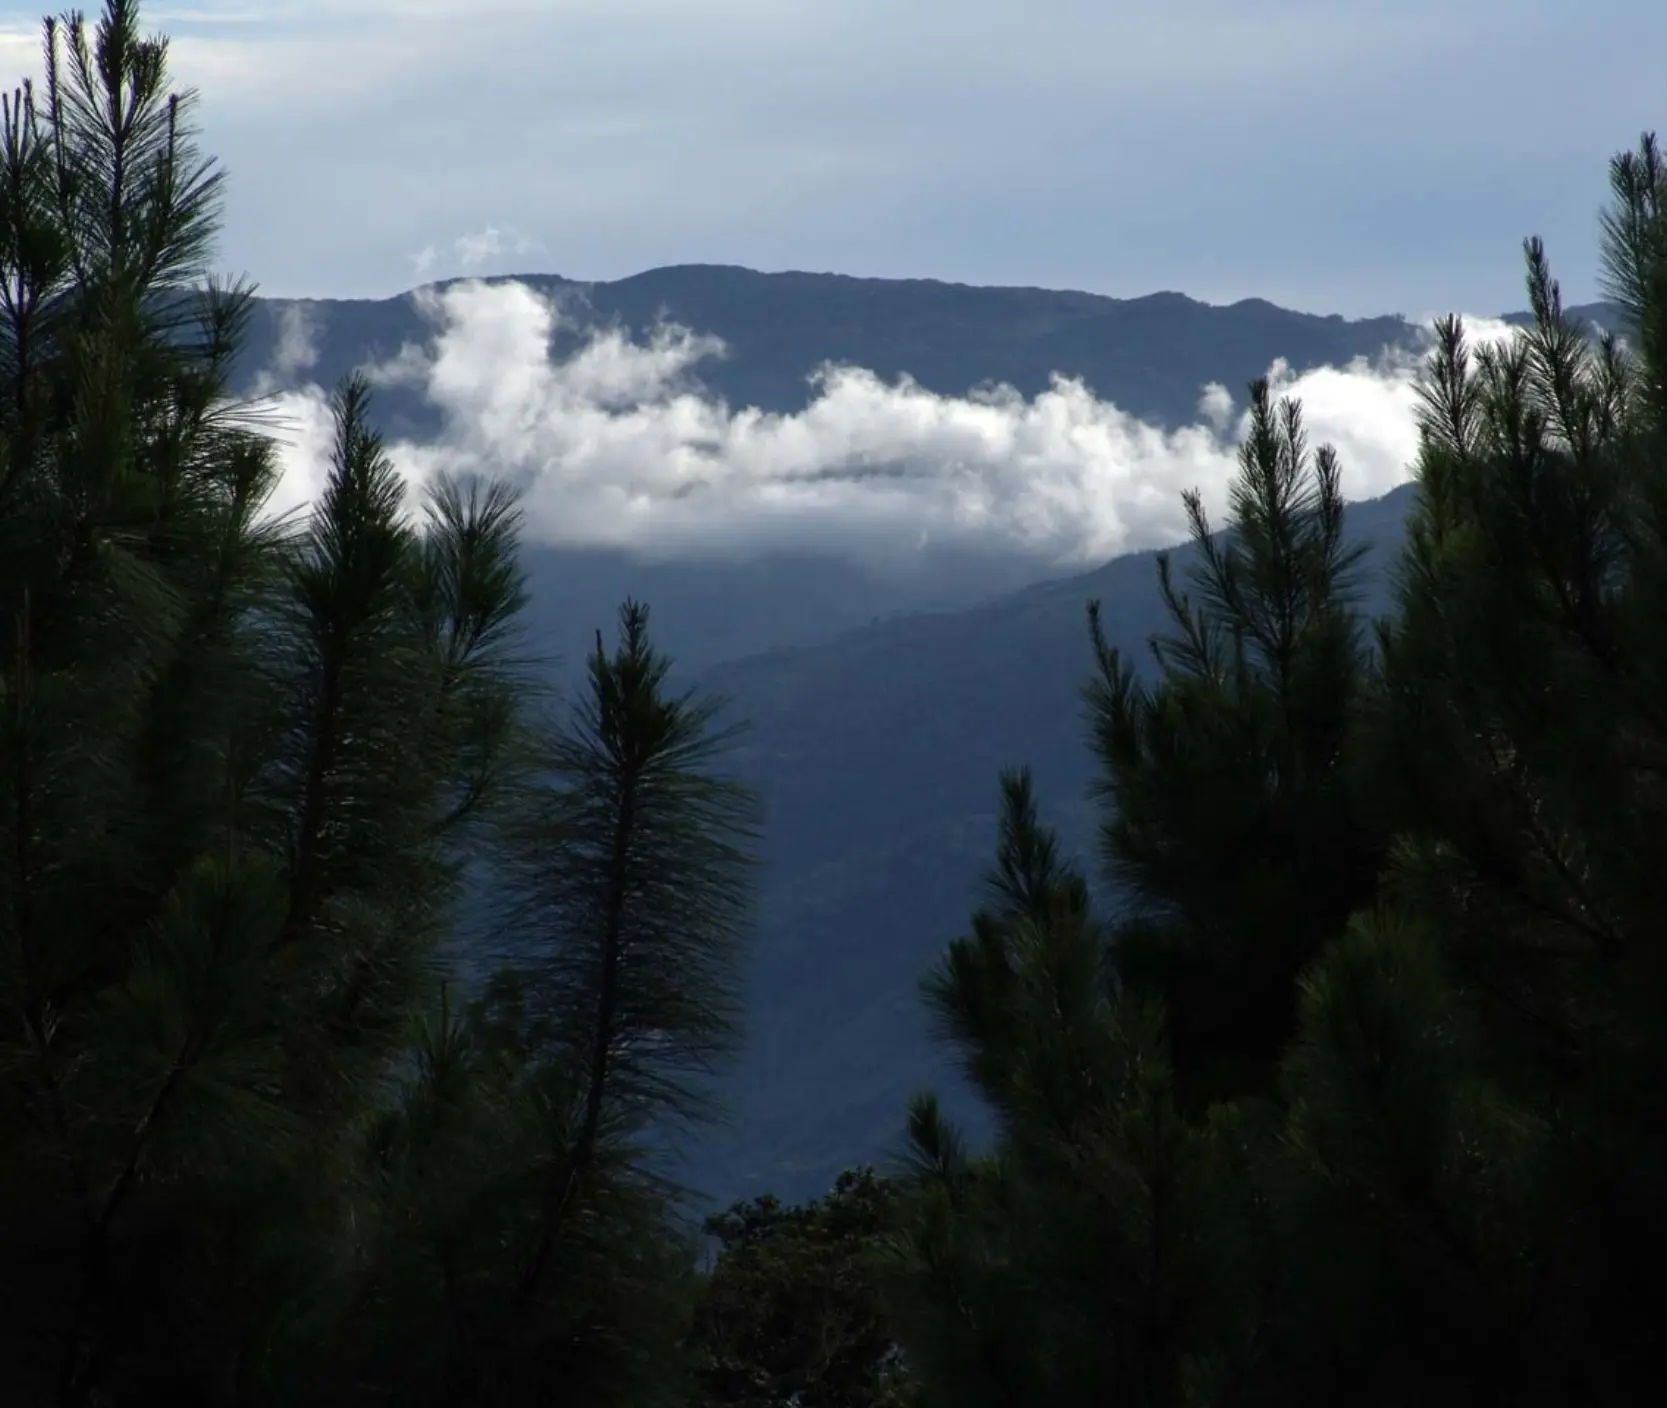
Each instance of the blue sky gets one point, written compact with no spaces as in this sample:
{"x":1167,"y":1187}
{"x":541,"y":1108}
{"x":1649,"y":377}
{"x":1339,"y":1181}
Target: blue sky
{"x":1354,"y":156}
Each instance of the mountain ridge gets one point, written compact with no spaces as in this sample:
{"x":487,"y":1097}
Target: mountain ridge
{"x":918,"y":327}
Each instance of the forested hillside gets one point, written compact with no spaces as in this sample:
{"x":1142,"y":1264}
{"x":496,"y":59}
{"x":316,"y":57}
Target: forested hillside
{"x":1334,"y":1077}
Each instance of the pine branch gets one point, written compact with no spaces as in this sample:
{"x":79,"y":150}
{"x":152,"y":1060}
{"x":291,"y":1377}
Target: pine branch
{"x":625,"y":899}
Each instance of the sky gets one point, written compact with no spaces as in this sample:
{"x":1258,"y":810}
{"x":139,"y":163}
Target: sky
{"x":1350,"y":156}
{"x":1329,"y":155}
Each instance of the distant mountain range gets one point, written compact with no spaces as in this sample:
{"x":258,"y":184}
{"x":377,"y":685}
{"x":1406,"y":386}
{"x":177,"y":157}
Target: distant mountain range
{"x":1149,"y":355}
{"x":881,"y":711}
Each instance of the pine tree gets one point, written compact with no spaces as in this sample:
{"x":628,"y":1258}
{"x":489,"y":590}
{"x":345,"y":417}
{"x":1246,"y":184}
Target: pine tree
{"x":1138,"y":1233}
{"x":127,"y":503}
{"x":239,"y":760}
{"x":1233,"y":830}
{"x":529,"y":1236}
{"x":628,"y":892}
{"x":1074,"y":1263}
{"x":1473,"y":1091}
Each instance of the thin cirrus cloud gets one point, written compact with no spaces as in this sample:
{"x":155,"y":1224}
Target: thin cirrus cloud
{"x":618,"y":445}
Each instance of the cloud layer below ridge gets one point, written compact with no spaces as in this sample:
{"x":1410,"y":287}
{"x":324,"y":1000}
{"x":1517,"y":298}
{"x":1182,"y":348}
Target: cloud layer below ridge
{"x":620,"y":446}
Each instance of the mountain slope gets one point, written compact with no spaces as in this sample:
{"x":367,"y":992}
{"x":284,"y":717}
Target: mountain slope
{"x":878,"y":756}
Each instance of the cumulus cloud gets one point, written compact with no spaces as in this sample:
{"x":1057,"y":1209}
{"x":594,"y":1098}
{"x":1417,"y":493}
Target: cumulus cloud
{"x":620,"y":445}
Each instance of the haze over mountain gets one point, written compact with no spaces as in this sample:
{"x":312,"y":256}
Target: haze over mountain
{"x":774,"y":461}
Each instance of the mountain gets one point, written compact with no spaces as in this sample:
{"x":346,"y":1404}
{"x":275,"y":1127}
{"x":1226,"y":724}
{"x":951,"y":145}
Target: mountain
{"x":1150,"y":355}
{"x":881,"y":710}
{"x":878,"y":756}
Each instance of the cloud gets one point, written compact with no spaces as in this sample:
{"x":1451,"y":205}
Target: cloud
{"x":473,"y":252}
{"x":298,"y":330}
{"x":1216,"y":406}
{"x":619,"y":445}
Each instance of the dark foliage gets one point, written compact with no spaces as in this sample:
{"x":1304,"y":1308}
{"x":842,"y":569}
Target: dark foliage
{"x":252,"y":1149}
{"x":1356,"y":1103}
{"x":790,"y":1309}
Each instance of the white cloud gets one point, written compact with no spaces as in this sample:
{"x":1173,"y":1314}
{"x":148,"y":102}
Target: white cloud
{"x":305,"y":434}
{"x":472,"y":253}
{"x":298,"y":331}
{"x":475,"y":250}
{"x":619,"y":445}
{"x":1216,"y":406}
